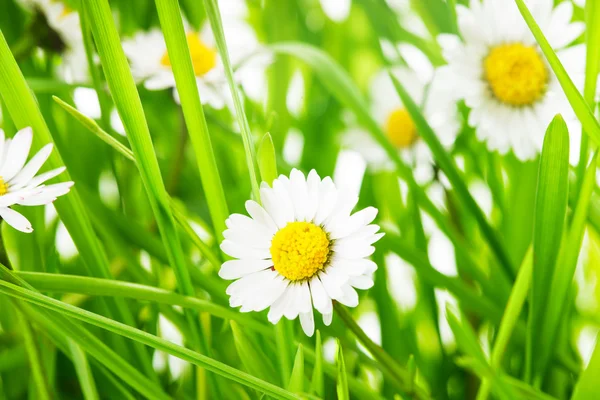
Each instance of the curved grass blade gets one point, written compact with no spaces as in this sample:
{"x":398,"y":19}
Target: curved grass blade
{"x":296,"y":384}
{"x":549,"y":221}
{"x":145,"y":338}
{"x":316,"y":385}
{"x":42,"y":389}
{"x":587,"y":386}
{"x":454,"y":176}
{"x":342,"y":378}
{"x":580,"y":107}
{"x":267,"y":161}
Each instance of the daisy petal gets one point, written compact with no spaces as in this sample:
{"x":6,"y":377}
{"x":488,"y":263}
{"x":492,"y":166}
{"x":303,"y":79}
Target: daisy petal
{"x":16,"y":154}
{"x":16,"y":220}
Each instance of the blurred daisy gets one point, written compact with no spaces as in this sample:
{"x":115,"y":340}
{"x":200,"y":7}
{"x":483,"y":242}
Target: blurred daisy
{"x":301,"y":249}
{"x":19,"y":184}
{"x":427,"y":90}
{"x":501,"y":74}
{"x":150,"y":62}
{"x":336,"y":10}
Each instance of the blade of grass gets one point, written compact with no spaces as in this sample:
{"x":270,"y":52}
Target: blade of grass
{"x":187,"y":87}
{"x":317,"y":385}
{"x":267,"y":161}
{"x":84,"y":372}
{"x":253,"y":359}
{"x":145,"y":338}
{"x":342,"y":377}
{"x":565,"y":270}
{"x":587,"y":386}
{"x":454,"y":176}
{"x":214,"y":16}
{"x":57,"y":283}
{"x":549,"y":221}
{"x":24,"y":111}
{"x":579,"y":105}
{"x":510,"y":318}
{"x":296,"y":384}
{"x":42,"y":389}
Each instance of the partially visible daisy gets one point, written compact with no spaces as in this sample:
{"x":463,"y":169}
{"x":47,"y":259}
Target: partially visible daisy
{"x":499,"y":71}
{"x":425,"y":89}
{"x":19,"y":184}
{"x":302,"y":249}
{"x":336,"y":10}
{"x":150,"y":62}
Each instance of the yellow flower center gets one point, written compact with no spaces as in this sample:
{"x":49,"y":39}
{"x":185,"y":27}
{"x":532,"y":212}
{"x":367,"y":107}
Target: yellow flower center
{"x":400,"y":128}
{"x":299,"y":250}
{"x":3,"y":187}
{"x":516,"y":74}
{"x":204,"y":58}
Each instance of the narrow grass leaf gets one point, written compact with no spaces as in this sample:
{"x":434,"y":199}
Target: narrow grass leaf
{"x":267,"y":161}
{"x":296,"y":384}
{"x":342,"y":379}
{"x":255,"y":362}
{"x":549,"y":220}
{"x":562,"y":279}
{"x":84,"y":372}
{"x":317,"y":382}
{"x":587,"y":386}
{"x":169,"y":14}
{"x":42,"y":389}
{"x":583,"y":112}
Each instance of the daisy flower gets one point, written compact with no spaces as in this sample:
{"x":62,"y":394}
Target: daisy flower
{"x":302,"y":249}
{"x":150,"y":62}
{"x":19,"y":184}
{"x":426,"y":89}
{"x":501,"y":74}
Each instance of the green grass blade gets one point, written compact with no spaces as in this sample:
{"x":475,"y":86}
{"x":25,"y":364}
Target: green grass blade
{"x":57,"y":283}
{"x":342,"y":378}
{"x":42,"y":389}
{"x":296,"y":384}
{"x":24,"y":110}
{"x":565,"y":269}
{"x":253,"y":359}
{"x":510,"y":318}
{"x":587,"y":386}
{"x":84,"y":373}
{"x":583,"y":112}
{"x":316,"y":385}
{"x":267,"y":161}
{"x":145,"y":338}
{"x":549,"y":221}
{"x":214,"y":16}
{"x":187,"y":87}
{"x":454,"y":176}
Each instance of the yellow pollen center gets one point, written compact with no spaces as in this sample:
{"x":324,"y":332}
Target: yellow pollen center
{"x":400,"y":128}
{"x":299,"y":250}
{"x":516,"y":74}
{"x":204,"y":58}
{"x":3,"y":187}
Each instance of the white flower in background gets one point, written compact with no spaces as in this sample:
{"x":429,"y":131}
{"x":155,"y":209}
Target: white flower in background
{"x":426,"y":89}
{"x":301,"y":249}
{"x":150,"y":62}
{"x":336,"y":10}
{"x":19,"y":184}
{"x":579,"y":3}
{"x":501,"y":74}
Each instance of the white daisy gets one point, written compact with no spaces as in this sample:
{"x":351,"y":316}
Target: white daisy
{"x":147,"y":52}
{"x":336,"y":10}
{"x":19,"y":184}
{"x":301,"y":249}
{"x":426,"y":90}
{"x":501,"y":74}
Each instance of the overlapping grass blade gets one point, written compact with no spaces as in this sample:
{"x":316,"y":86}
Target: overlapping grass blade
{"x":42,"y":389}
{"x":24,"y":111}
{"x":581,"y":108}
{"x":342,"y":378}
{"x":549,"y":221}
{"x":447,"y":165}
{"x":253,"y":359}
{"x":185,"y":79}
{"x":587,"y":386}
{"x":84,"y":372}
{"x":296,"y":384}
{"x":214,"y":16}
{"x":267,"y":161}
{"x":145,"y":338}
{"x":565,"y":269}
{"x":316,"y":385}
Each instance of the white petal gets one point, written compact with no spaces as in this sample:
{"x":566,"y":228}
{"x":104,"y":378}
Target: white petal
{"x":38,"y":180}
{"x":32,"y":167}
{"x":305,"y":304}
{"x":299,"y":194}
{"x":291,"y":311}
{"x":237,"y":250}
{"x":363,"y":282}
{"x":280,"y":305}
{"x":331,"y":284}
{"x":2,"y":143}
{"x":234,"y":269}
{"x":327,"y":318}
{"x":321,"y":300}
{"x":16,"y":154}
{"x":307,"y":321}
{"x":261,"y":216}
{"x":349,"y":297}
{"x":251,"y":239}
{"x":16,"y":220}
{"x":354,"y":223}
